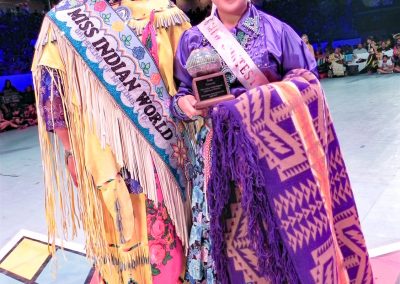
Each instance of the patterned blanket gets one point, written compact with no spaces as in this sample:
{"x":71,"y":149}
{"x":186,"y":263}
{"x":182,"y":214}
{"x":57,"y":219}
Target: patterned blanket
{"x":294,"y":219}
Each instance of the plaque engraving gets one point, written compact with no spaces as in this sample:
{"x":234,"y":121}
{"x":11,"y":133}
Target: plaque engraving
{"x":210,"y":90}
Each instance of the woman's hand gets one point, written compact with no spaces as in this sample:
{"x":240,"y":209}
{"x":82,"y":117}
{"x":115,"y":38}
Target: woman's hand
{"x":71,"y":169}
{"x":186,"y":104}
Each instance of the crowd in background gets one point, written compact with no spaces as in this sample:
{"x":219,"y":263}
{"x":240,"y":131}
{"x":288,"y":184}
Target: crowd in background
{"x":19,"y":28}
{"x":17,"y":109}
{"x":382,"y":57}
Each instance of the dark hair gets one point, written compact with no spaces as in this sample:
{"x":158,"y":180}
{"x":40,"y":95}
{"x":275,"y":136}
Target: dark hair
{"x":385,"y":56}
{"x":7,"y":84}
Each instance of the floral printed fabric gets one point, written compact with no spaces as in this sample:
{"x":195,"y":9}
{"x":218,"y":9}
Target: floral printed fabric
{"x":165,"y":248}
{"x":199,"y":263}
{"x":161,"y":235}
{"x":50,"y":102}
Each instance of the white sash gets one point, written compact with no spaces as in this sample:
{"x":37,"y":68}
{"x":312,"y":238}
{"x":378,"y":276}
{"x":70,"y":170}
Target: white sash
{"x":232,"y":53}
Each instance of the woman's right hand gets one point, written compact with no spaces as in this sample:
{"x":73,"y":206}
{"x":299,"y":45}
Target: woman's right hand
{"x":186,"y":104}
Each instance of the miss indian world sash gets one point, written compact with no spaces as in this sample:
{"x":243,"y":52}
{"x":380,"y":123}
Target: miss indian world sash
{"x":125,"y":67}
{"x":232,"y":53}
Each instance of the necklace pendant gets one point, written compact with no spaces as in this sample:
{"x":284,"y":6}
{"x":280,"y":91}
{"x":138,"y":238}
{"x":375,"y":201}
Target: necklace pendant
{"x":252,"y":24}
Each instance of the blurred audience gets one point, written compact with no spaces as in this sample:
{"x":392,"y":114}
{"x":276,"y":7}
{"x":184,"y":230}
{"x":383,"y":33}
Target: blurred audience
{"x":372,"y":60}
{"x":17,"y":108}
{"x":304,"y":37}
{"x":374,"y":56}
{"x":322,"y":63}
{"x":19,"y":29}
{"x":6,"y":124}
{"x":337,"y":63}
{"x":385,"y":66}
{"x":360,"y":49}
{"x":396,"y":55}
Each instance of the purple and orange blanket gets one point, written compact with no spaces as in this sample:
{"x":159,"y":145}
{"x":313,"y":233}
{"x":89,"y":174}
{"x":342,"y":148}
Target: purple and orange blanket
{"x":293,"y":218}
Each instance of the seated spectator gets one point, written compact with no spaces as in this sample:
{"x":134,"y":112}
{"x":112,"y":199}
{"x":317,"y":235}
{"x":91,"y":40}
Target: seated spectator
{"x":347,"y":51}
{"x":28,"y":96}
{"x":383,"y":47}
{"x":30,"y":115}
{"x":3,"y":106}
{"x":368,"y":44}
{"x":337,"y":66}
{"x":360,"y":49}
{"x":6,"y":124}
{"x":304,"y":37}
{"x":8,"y":86}
{"x":389,"y":43}
{"x":19,"y":119}
{"x":322,"y":64}
{"x":372,"y":61}
{"x":396,"y":54}
{"x":385,"y":66}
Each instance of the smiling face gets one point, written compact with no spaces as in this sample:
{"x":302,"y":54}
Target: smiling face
{"x":233,"y":7}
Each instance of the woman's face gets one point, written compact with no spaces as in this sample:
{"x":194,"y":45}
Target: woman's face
{"x":234,"y":7}
{"x":305,"y":38}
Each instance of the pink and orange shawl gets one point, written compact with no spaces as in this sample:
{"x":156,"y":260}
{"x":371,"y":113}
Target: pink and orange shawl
{"x":295,"y":219}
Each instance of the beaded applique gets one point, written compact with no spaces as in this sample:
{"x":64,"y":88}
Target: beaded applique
{"x":252,"y":24}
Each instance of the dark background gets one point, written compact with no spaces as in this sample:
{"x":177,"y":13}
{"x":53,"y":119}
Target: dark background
{"x":329,"y":20}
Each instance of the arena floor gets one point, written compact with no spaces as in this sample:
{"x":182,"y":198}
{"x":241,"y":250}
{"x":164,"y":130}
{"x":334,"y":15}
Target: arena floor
{"x":366,"y":113}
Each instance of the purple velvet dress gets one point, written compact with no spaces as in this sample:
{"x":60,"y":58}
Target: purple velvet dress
{"x":276,"y":49}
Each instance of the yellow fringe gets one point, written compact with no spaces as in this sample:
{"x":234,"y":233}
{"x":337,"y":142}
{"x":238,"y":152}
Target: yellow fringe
{"x":84,"y":97}
{"x":164,"y":19}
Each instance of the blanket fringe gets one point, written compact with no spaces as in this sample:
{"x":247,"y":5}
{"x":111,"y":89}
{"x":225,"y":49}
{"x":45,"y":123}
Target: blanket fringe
{"x":230,"y":140}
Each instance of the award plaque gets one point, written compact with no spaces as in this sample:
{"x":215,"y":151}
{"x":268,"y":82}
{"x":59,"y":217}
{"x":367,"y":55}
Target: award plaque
{"x":209,"y":83}
{"x":210,"y":90}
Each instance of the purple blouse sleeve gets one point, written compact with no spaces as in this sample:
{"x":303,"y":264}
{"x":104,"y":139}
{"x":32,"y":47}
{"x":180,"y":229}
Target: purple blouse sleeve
{"x":295,"y":53}
{"x":190,"y":40}
{"x":51,"y":107}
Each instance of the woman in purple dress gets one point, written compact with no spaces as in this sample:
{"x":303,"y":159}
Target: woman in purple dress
{"x":276,"y":49}
{"x":240,"y":233}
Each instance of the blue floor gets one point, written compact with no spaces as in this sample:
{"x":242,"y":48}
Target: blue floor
{"x":366,"y":112}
